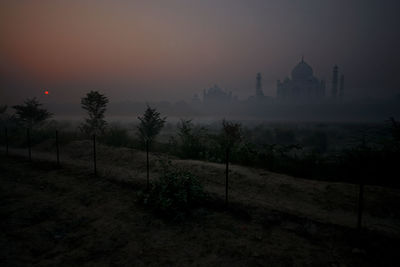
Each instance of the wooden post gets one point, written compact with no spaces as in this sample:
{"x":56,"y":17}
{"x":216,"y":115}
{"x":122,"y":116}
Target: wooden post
{"x":28,"y":137}
{"x":226,"y":176}
{"x":147,"y":164}
{"x":94,"y":155}
{"x":360,"y":207}
{"x":6,"y":137}
{"x":58,"y":150}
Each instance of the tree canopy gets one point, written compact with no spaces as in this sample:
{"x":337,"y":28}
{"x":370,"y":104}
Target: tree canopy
{"x":96,"y":105}
{"x":150,"y":124}
{"x":231,"y":133}
{"x":31,"y":113}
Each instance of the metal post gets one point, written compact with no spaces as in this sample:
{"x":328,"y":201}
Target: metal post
{"x":58,"y":150}
{"x":94,"y":155}
{"x":28,"y":136}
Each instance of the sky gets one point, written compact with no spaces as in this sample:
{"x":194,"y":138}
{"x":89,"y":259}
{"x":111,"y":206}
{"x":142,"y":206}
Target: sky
{"x":172,"y":49}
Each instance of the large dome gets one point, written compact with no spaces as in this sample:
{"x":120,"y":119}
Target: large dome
{"x":302,"y":71}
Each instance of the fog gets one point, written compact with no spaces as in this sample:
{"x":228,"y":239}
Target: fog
{"x":138,"y":52}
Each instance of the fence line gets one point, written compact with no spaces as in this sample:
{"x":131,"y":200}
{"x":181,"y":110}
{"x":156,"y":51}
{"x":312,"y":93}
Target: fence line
{"x":28,"y":136}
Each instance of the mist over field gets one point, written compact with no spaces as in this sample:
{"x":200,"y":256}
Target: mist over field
{"x":199,"y":133}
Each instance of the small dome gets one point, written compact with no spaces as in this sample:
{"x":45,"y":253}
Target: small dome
{"x":302,"y":71}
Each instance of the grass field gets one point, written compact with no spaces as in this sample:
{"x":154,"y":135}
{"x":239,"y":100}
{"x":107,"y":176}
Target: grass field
{"x":67,"y":217}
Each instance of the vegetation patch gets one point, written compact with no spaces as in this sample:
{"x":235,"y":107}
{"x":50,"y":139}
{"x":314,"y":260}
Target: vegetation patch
{"x":175,"y":195}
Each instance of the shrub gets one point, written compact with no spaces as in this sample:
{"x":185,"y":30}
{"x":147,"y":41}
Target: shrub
{"x":117,"y":136}
{"x":318,"y":141}
{"x":175,"y":194}
{"x":285,"y":137}
{"x":191,"y":139}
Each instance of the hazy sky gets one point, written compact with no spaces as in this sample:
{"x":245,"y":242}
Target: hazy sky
{"x":152,"y":50}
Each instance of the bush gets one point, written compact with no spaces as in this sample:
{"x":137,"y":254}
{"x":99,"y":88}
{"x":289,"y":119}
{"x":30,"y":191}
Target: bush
{"x":285,"y":137}
{"x":318,"y":141}
{"x":192,"y":140}
{"x":175,"y":194}
{"x":117,"y":136}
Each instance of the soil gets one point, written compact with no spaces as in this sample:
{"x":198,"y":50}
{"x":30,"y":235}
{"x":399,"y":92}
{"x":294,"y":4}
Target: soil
{"x":64,"y":216}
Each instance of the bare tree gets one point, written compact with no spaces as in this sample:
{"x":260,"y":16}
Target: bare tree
{"x":96,"y":105}
{"x":150,"y":126}
{"x":231,"y":135}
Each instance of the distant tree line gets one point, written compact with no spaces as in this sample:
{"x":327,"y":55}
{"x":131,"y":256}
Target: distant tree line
{"x":277,"y":150}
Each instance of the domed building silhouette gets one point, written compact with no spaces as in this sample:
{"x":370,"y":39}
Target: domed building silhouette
{"x":303,"y":87}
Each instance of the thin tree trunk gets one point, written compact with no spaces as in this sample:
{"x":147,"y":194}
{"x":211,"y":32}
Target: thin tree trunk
{"x":58,"y":150}
{"x":226,"y":176}
{"x":147,"y":165}
{"x":94,"y":155}
{"x":28,"y":138}
{"x":6,"y":137}
{"x":360,"y":206}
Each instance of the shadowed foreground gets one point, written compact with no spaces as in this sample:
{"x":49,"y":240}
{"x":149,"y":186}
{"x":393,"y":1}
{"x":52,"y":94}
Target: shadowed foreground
{"x":67,"y":217}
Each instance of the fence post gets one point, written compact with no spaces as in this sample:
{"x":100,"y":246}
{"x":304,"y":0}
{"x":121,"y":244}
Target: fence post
{"x":58,"y":150}
{"x":226,"y":174}
{"x":28,"y":137}
{"x":147,"y":164}
{"x":360,"y":206}
{"x":6,"y":137}
{"x":94,"y":155}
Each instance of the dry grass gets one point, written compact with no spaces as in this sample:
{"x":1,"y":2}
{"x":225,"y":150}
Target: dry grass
{"x":68,"y":217}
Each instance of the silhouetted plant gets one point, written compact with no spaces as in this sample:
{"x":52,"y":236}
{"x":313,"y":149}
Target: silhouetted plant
{"x":395,"y":131}
{"x":175,"y":194}
{"x":3,"y":109}
{"x":246,"y":153}
{"x":191,"y":139}
{"x":3,"y":116}
{"x":96,"y":105}
{"x":284,"y":137}
{"x":150,"y":126}
{"x":31,"y":114}
{"x":318,"y":142}
{"x":117,"y":136}
{"x":231,"y":134}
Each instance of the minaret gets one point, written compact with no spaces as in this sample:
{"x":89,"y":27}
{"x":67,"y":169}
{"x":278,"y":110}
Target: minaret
{"x":259,"y":92}
{"x":341,"y":88}
{"x":335,"y":82}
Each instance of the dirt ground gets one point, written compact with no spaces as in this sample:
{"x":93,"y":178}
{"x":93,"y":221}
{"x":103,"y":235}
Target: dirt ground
{"x":67,"y":217}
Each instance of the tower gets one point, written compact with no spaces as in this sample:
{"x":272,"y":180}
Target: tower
{"x":341,"y":87}
{"x":259,"y":92}
{"x":335,"y":82}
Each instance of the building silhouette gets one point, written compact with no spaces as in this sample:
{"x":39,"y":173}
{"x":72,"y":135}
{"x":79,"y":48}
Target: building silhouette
{"x":334,"y":82}
{"x":302,"y":87}
{"x":215,"y":96}
{"x":259,"y":91}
